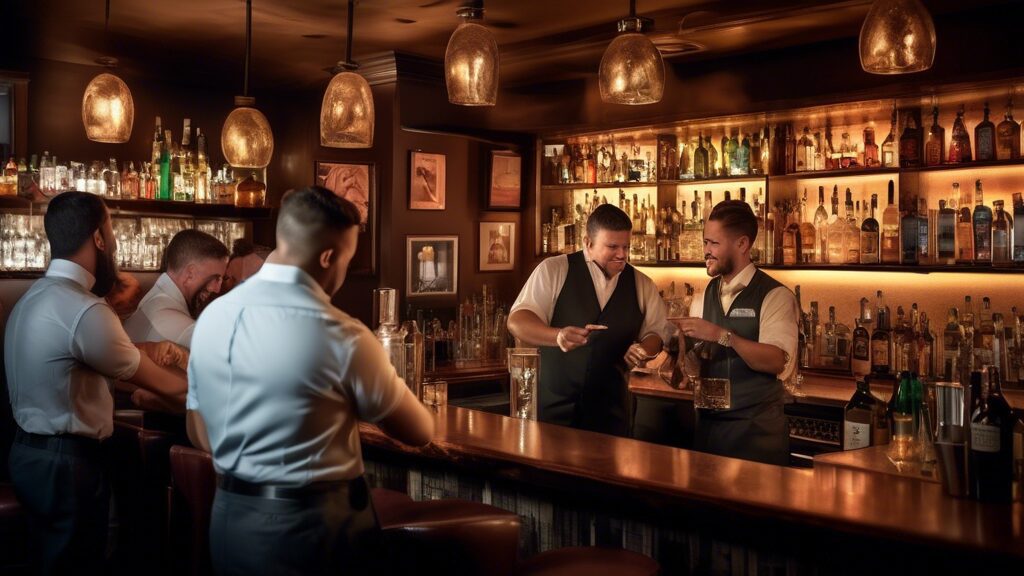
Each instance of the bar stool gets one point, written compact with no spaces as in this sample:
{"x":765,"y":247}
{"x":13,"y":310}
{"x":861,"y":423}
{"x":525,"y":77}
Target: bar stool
{"x":193,"y":478}
{"x":13,"y":531}
{"x":585,"y":561}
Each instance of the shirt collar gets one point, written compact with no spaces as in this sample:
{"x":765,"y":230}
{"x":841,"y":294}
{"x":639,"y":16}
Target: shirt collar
{"x":743,"y":278}
{"x":166,"y":284}
{"x":60,"y":268}
{"x":287,"y":274}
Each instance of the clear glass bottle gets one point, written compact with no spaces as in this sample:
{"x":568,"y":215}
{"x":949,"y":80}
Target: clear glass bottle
{"x":870,"y":148}
{"x":805,"y":151}
{"x":960,"y":143}
{"x":808,"y":234}
{"x":821,"y":228}
{"x":869,"y":235}
{"x":890,"y":158}
{"x":1002,"y":229}
{"x":985,"y":139}
{"x":701,"y":159}
{"x":837,"y":229}
{"x":851,"y":237}
{"x":881,"y":338}
{"x":982,"y":225}
{"x":964,"y":227}
{"x":390,"y":335}
{"x":1008,"y":136}
{"x":414,"y":357}
{"x":891,"y":230}
{"x":951,"y":340}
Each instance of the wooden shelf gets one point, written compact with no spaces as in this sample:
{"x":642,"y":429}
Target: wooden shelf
{"x":968,"y":166}
{"x":722,"y":180}
{"x":984,"y":269}
{"x":598,"y":186}
{"x":847,"y":173}
{"x":150,"y":207}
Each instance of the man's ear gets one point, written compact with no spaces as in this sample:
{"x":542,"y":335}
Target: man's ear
{"x":327,"y":258}
{"x":97,"y":239}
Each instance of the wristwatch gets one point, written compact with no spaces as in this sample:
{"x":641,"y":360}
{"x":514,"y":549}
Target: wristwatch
{"x":725,"y":338}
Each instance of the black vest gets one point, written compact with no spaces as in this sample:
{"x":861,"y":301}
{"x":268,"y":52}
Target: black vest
{"x":586,"y":388}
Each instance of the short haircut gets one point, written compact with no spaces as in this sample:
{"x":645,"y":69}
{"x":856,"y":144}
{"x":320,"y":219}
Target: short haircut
{"x":736,"y":217}
{"x":189,"y":246}
{"x":242,"y":247}
{"x":70,"y":220}
{"x":607,"y":217}
{"x":311,"y":217}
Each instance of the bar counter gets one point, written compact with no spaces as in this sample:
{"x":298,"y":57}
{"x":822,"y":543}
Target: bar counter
{"x":831,"y":509}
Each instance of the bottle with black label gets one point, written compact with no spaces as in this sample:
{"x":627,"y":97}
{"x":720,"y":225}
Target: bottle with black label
{"x":864,"y":421}
{"x":991,"y":460}
{"x":860,"y":357}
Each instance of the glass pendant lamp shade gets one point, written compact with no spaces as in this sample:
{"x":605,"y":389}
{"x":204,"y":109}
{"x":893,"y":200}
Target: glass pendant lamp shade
{"x":246,"y":139}
{"x":471,"y":66}
{"x":898,"y":37}
{"x":632,"y":70}
{"x":346,"y":115}
{"x":108,"y":111}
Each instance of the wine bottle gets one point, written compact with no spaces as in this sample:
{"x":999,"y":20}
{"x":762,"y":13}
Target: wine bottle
{"x":991,"y":459}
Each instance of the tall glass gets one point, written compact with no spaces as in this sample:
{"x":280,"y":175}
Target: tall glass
{"x":524,"y":371}
{"x":414,"y":354}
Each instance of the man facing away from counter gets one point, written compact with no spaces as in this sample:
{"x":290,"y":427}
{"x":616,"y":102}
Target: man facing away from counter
{"x":746,"y":325}
{"x":279,"y":379}
{"x":594,"y":317}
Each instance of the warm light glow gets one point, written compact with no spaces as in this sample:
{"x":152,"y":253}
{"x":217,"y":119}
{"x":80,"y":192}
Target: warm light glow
{"x":246,"y":139}
{"x":471,"y":66}
{"x":898,"y":37}
{"x":632,"y":71}
{"x":346,"y":115}
{"x":108,"y":111}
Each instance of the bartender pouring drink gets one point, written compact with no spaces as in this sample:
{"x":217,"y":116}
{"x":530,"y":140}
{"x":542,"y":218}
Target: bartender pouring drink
{"x":745,"y":329}
{"x":594,"y":318}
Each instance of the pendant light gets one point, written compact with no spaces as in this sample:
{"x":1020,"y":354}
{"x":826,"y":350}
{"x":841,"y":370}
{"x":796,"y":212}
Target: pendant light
{"x":108,"y":110}
{"x":632,"y":71}
{"x":246,"y":139}
{"x":346,"y":114}
{"x":471,"y":60}
{"x":898,"y":37}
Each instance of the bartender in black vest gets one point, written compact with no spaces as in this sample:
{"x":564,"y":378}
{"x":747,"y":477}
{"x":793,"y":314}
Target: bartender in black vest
{"x":594,"y":317}
{"x":745,"y":325}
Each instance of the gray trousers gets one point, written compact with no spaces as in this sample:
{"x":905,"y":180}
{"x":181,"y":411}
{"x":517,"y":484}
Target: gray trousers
{"x":331,"y":533}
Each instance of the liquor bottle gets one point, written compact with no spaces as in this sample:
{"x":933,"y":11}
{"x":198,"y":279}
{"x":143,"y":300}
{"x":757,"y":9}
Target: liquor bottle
{"x":791,"y":241}
{"x":756,"y":247}
{"x":926,"y":345}
{"x":130,"y":183}
{"x":741,"y":161}
{"x":1008,"y":136}
{"x":910,"y":145}
{"x":828,"y":152}
{"x":890,"y":158}
{"x":158,"y":139}
{"x":891,"y":230}
{"x":960,"y":144}
{"x":985,"y":139}
{"x":923,"y":232}
{"x":881,"y":339}
{"x":708,"y":205}
{"x":982,"y":226}
{"x":861,"y":418}
{"x":984,"y":336}
{"x":112,"y":179}
{"x":847,"y":152}
{"x":1001,"y":231}
{"x":712,"y":159}
{"x":935,"y":147}
{"x":766,"y":151}
{"x":47,"y":175}
{"x":790,"y":149}
{"x":964,"y":230}
{"x":991,"y":461}
{"x":805,"y":152}
{"x":860,"y":355}
{"x":818,"y":163}
{"x":910,"y":238}
{"x":951,"y":340}
{"x":165,"y":168}
{"x":203,"y":170}
{"x":946,"y":235}
{"x":870,"y":148}
{"x":808,"y":234}
{"x":851,"y":237}
{"x":701,"y":159}
{"x":836,"y":232}
{"x":821,"y":228}
{"x":1018,"y":229}
{"x":840,"y":341}
{"x":869,"y":236}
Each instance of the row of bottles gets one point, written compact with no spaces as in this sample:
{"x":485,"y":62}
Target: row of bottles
{"x":594,"y":162}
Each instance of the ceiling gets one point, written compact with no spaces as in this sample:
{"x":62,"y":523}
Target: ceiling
{"x":296,"y":42}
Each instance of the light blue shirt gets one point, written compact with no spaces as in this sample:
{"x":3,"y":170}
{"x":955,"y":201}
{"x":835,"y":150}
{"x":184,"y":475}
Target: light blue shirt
{"x":281,"y":379}
{"x":61,"y":347}
{"x":162,"y":315}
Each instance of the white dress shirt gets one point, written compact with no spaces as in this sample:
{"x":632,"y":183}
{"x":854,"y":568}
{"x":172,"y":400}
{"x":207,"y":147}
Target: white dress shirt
{"x":162,"y":315}
{"x":281,"y":379}
{"x":540,"y":293}
{"x":779,"y":315}
{"x":61,"y":347}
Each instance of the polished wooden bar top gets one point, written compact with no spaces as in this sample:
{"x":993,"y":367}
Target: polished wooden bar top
{"x":836,"y":499}
{"x":873,"y":459}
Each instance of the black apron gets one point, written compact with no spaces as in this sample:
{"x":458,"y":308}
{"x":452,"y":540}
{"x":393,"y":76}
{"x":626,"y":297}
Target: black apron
{"x":586,"y":388}
{"x":754,"y":427}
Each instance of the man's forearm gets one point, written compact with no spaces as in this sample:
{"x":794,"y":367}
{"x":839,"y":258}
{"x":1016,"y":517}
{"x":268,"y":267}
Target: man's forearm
{"x":759,"y":357}
{"x":531,"y":330}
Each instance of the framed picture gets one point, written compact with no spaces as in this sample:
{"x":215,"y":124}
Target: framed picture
{"x":355,"y":182}
{"x":505,"y":190}
{"x":426,"y":181}
{"x":497,"y":246}
{"x":432,"y":265}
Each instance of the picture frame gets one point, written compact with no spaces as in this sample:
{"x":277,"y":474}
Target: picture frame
{"x":357,"y":183}
{"x":505,"y":187}
{"x":427,"y":183}
{"x":497,"y":246}
{"x":431,"y":266}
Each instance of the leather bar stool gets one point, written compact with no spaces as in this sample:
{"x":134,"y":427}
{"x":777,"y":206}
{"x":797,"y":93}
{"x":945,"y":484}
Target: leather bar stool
{"x":13,"y":533}
{"x":584,"y":561}
{"x":195,"y":483}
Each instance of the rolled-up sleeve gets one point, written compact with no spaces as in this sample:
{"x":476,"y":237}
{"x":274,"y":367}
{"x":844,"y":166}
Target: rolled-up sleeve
{"x":372,"y":380}
{"x":778,"y":326}
{"x":100,"y":342}
{"x":654,"y":309}
{"x":542,"y":287}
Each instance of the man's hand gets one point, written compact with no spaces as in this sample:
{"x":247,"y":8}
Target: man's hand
{"x":571,"y":337}
{"x":166,"y":354}
{"x":699,"y":329}
{"x":637,"y":356}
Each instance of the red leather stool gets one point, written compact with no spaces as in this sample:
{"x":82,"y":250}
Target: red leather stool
{"x":584,"y":561}
{"x":194,"y":483}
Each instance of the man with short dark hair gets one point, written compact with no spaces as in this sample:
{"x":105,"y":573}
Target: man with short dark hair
{"x":62,"y":346}
{"x":746,"y":322}
{"x":594,"y":318}
{"x":279,"y":379}
{"x":195,"y":267}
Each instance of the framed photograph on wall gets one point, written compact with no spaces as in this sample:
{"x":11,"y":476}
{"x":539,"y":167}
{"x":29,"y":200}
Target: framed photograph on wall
{"x":432,"y":265}
{"x":427,"y":183}
{"x":355,"y":182}
{"x":497,"y":246}
{"x":505,"y":190}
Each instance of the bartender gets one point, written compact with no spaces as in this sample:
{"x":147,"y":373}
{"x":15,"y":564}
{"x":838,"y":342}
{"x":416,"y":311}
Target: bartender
{"x":594,"y":317}
{"x":745,"y":327}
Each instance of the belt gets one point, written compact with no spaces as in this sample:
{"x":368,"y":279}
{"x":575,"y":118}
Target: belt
{"x":70,"y":444}
{"x":282,"y":492}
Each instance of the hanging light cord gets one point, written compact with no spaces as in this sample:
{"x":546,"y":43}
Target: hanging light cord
{"x":248,"y":46}
{"x":632,"y":8}
{"x":348,"y":36}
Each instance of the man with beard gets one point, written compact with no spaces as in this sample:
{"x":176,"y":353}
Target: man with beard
{"x":746,"y":325}
{"x":594,"y":317}
{"x":195,"y":268}
{"x":62,"y":346}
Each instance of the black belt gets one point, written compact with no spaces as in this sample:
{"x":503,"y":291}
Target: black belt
{"x":281,"y":492}
{"x":69,"y":444}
